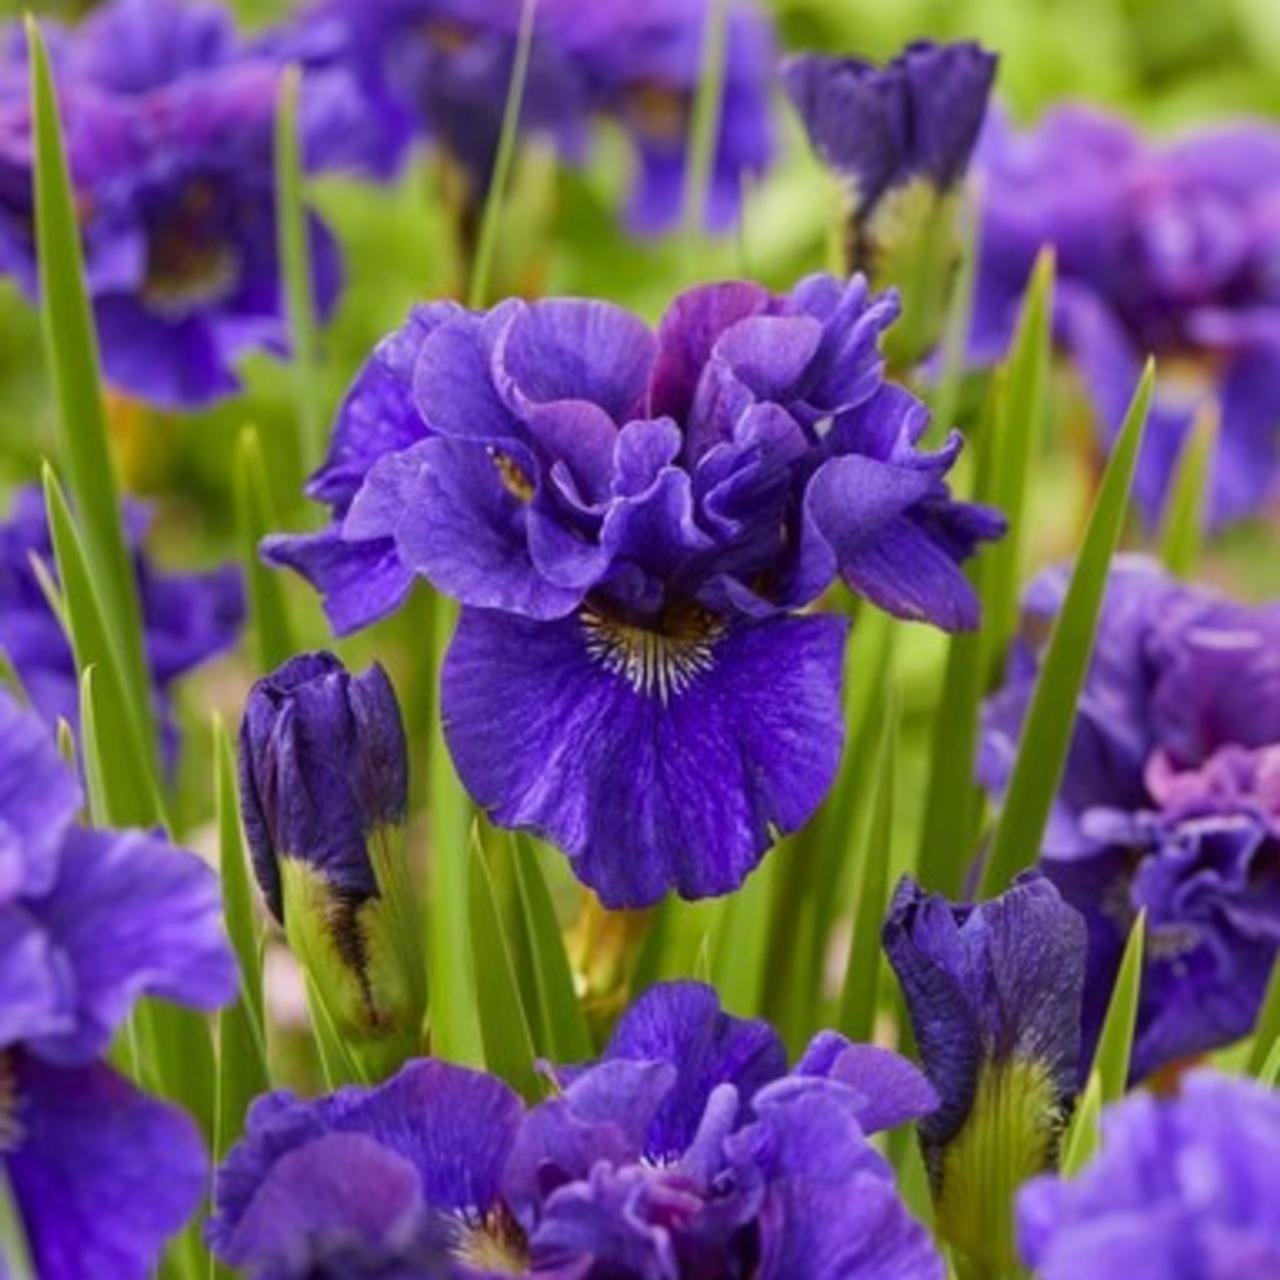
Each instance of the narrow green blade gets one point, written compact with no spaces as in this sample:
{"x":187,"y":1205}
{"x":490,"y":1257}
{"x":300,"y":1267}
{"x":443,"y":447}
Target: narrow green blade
{"x":242,"y":1076}
{"x":508,"y":1044}
{"x":1021,"y":416}
{"x":504,"y":159}
{"x":1046,"y":732}
{"x":1266,"y":1028}
{"x":741,"y":941}
{"x":455,"y":1026}
{"x":959,"y":317}
{"x":568,"y":1039}
{"x":1270,"y":1073}
{"x":861,"y":992}
{"x":1084,"y":1135}
{"x":1182,"y":524}
{"x":90,"y":752}
{"x":10,"y":679}
{"x":240,"y":1080}
{"x":130,"y":787}
{"x":705,"y":121}
{"x":294,"y":236}
{"x":1115,"y":1044}
{"x":338,"y":1064}
{"x":269,"y":624}
{"x":72,"y":350}
{"x":237,"y":895}
{"x":15,"y":1250}
{"x":953,"y":802}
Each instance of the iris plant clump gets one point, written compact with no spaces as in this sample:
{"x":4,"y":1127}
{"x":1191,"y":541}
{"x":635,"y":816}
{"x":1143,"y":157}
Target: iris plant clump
{"x":612,"y":566}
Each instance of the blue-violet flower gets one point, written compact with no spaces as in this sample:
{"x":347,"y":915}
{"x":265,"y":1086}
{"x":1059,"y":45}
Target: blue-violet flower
{"x":634,"y":523}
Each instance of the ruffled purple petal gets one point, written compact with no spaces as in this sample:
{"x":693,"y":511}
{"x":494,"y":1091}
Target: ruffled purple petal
{"x":455,"y":1127}
{"x":339,"y":1193}
{"x":103,"y":1175}
{"x":575,"y":349}
{"x":360,"y":581}
{"x":458,"y":511}
{"x":36,"y":989}
{"x":682,"y":1023}
{"x":379,"y":415}
{"x":831,"y":1210}
{"x":890,"y":1089}
{"x":132,"y":916}
{"x":39,"y":798}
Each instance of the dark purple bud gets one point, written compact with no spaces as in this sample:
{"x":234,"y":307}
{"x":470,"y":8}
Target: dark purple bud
{"x":322,"y":765}
{"x":994,"y":992}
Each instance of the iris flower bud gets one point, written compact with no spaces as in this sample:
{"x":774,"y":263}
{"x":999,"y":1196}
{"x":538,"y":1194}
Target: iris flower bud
{"x":994,"y":994}
{"x":324,"y":791}
{"x":899,"y":138}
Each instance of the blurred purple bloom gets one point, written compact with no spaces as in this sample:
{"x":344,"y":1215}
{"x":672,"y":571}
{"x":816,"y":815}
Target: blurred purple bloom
{"x":439,"y":68}
{"x":1169,"y":249}
{"x":90,"y":921}
{"x":633,"y":522}
{"x":1183,"y":1189}
{"x":1170,"y":801}
{"x":169,"y":135}
{"x":323,"y":764}
{"x":187,"y":618}
{"x":885,"y":130}
{"x":641,"y":65}
{"x":442,"y":68}
{"x":993,"y":991}
{"x":685,"y":1151}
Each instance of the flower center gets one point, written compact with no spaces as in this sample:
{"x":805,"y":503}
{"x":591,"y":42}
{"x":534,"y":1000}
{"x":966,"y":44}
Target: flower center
{"x":664,"y":660}
{"x":448,"y":35}
{"x":513,"y":477}
{"x":10,"y":1129}
{"x":659,"y":112}
{"x":188,"y":262}
{"x":496,"y":1244}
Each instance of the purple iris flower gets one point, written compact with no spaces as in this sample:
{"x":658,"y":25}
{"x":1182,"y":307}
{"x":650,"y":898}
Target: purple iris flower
{"x":994,"y":991}
{"x":1170,"y":801}
{"x":90,"y":921}
{"x":169,"y":135}
{"x":890,"y":133}
{"x":687,"y":1152}
{"x":1170,"y":248}
{"x":442,"y":69}
{"x":634,"y":522}
{"x":1183,"y":1189}
{"x":187,"y":618}
{"x":641,"y":65}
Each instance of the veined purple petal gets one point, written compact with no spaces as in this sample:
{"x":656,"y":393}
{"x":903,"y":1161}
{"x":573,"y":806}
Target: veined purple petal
{"x":341,"y":1191}
{"x":682,"y":1023}
{"x":455,"y":1127}
{"x":131,"y":916}
{"x":103,"y":1175}
{"x":458,"y":512}
{"x":574,"y":349}
{"x":360,"y":581}
{"x":654,"y":763}
{"x":831,"y":1210}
